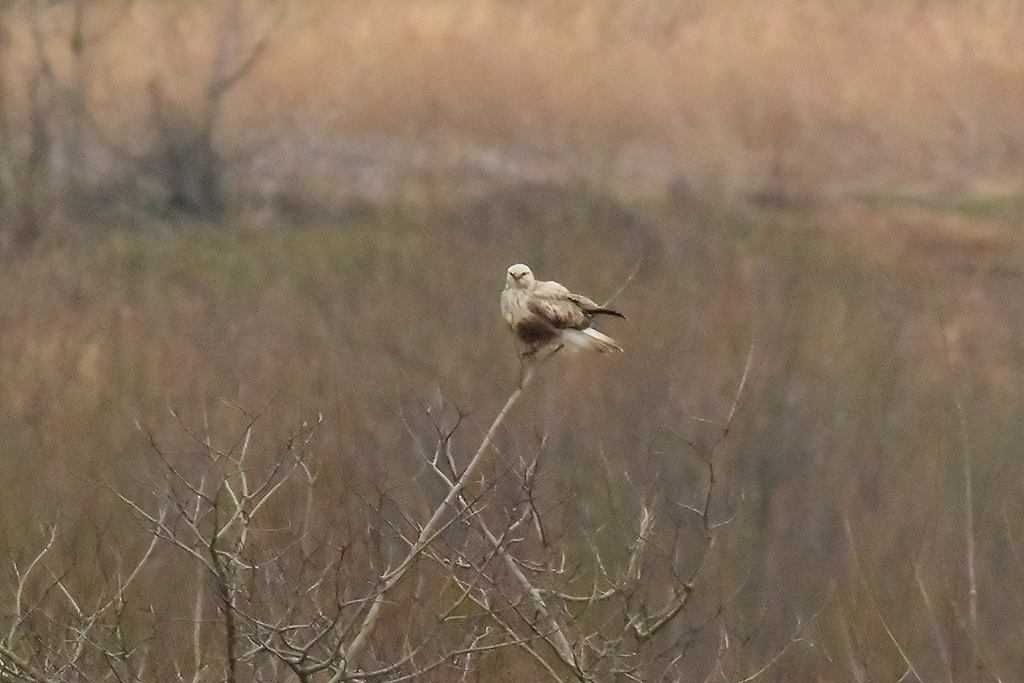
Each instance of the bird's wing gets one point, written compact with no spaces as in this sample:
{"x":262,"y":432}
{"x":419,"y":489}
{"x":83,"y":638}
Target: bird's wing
{"x":556,"y":305}
{"x":591,"y":308}
{"x":583,"y":302}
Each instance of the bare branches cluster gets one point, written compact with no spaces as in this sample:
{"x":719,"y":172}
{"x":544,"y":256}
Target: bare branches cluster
{"x":272,"y":582}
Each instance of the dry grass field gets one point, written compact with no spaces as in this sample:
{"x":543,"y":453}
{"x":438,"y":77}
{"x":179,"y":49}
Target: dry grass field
{"x":812,"y":95}
{"x":833,"y":185}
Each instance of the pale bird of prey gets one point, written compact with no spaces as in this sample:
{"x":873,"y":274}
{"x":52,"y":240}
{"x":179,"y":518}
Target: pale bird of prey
{"x":546,"y":314}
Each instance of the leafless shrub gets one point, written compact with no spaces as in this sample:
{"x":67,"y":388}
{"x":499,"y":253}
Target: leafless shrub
{"x":273,"y":581}
{"x":56,"y":631}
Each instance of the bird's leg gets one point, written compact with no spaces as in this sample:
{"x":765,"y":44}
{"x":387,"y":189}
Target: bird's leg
{"x":527,"y":361}
{"x":553,"y":351}
{"x":532,"y":357}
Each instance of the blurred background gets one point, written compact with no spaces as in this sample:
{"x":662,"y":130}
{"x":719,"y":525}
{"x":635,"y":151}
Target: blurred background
{"x":308,"y":207}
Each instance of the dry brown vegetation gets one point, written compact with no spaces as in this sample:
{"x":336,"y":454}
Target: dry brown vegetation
{"x":801,"y":96}
{"x":337,"y":331}
{"x":847,"y":438}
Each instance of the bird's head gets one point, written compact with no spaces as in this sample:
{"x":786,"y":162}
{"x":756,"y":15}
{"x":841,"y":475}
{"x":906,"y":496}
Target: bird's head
{"x":520,"y":276}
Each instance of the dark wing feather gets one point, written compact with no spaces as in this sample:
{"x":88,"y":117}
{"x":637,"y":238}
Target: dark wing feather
{"x":558,"y":312}
{"x":591,"y":308}
{"x":564,"y":309}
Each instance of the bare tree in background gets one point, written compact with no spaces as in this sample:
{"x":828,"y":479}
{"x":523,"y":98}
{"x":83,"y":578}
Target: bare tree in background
{"x":46,"y":127}
{"x":184,"y":158}
{"x":42,"y":127}
{"x":26,"y":177}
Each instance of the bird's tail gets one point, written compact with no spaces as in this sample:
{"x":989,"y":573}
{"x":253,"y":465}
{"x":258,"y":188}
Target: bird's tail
{"x":600,"y":310}
{"x":588,"y":339}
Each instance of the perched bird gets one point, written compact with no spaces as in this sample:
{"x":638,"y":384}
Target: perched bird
{"x":546,"y":314}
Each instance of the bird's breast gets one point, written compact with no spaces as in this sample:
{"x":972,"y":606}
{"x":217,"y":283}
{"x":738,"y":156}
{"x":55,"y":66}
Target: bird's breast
{"x":513,"y":305}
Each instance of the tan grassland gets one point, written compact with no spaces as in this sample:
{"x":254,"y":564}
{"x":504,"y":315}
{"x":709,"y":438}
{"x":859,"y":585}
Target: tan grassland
{"x":386,"y":161}
{"x":810,"y":93}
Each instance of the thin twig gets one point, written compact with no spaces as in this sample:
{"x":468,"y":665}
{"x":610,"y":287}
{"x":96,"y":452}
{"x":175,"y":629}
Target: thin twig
{"x":431,"y":528}
{"x":636,"y":269}
{"x":871,"y":594}
{"x":972,"y":577}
